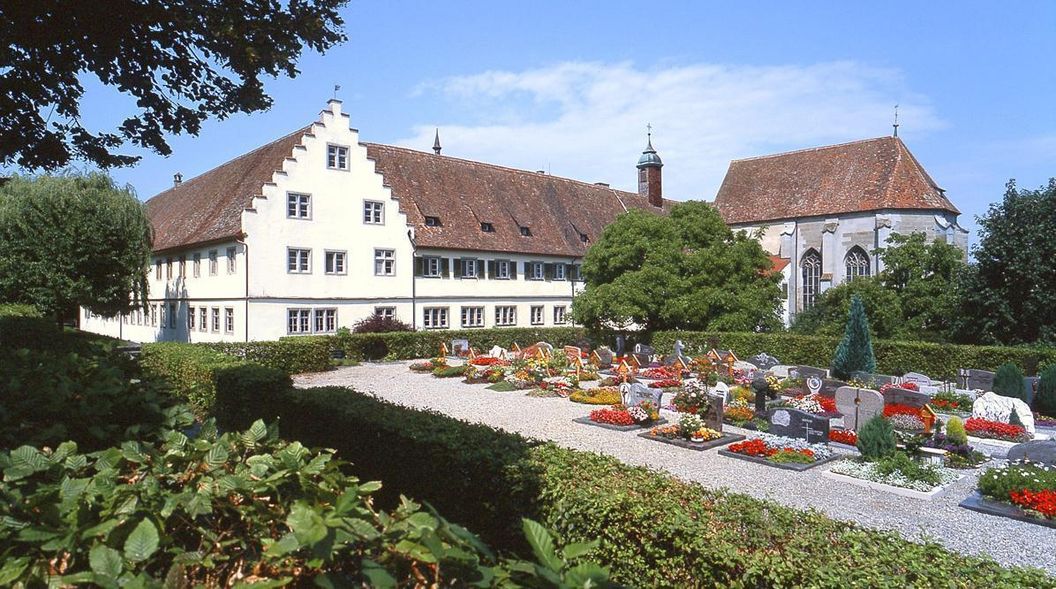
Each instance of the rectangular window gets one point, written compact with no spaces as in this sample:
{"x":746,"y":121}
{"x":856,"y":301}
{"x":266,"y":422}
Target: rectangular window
{"x":431,"y":267}
{"x":197,"y":267}
{"x":559,"y":271}
{"x":168,"y":268}
{"x":502,"y":269}
{"x":157,"y":269}
{"x":298,"y":320}
{"x":538,"y":315}
{"x":533,"y":270}
{"x":337,"y":157}
{"x":373,"y":212}
{"x":203,"y":323}
{"x":154,"y":315}
{"x":298,"y":206}
{"x":298,"y":260}
{"x":183,"y":266}
{"x":435,"y":318}
{"x":231,"y":260}
{"x":388,"y":313}
{"x":472,"y":316}
{"x":335,"y":262}
{"x":229,"y":320}
{"x":559,"y":314}
{"x":190,"y":318}
{"x":172,"y":315}
{"x":506,"y":315}
{"x":385,"y":263}
{"x":325,"y":320}
{"x":216,"y":320}
{"x":213,"y":263}
{"x":469,"y":268}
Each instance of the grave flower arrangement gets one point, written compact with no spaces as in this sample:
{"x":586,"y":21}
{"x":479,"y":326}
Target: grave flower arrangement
{"x":1044,"y":421}
{"x":662,"y":373}
{"x":816,"y":404}
{"x":489,"y":361}
{"x":689,"y":427}
{"x":996,"y":430}
{"x":562,"y":385}
{"x":692,"y":398}
{"x":781,"y":449}
{"x":1030,"y":485}
{"x":958,"y":455}
{"x":906,"y":423}
{"x":429,"y":365}
{"x":843,"y":436}
{"x":950,"y":402}
{"x":893,"y":409}
{"x":597,"y":396}
{"x":668,"y":383}
{"x":897,"y":470}
{"x":615,"y":415}
{"x":909,"y":386}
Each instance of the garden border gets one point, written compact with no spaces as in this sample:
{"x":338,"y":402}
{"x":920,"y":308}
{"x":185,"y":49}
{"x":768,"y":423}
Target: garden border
{"x":698,"y":446}
{"x":619,"y":428}
{"x":901,"y":491}
{"x":979,"y":503}
{"x":793,"y":466}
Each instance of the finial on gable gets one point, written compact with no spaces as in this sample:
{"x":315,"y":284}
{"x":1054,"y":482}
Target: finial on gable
{"x":436,"y":142}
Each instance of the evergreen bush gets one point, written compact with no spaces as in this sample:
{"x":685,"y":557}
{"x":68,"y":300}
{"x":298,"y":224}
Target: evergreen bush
{"x":955,"y":431}
{"x":1045,"y":399}
{"x":1008,"y":382}
{"x":876,"y":439}
{"x":855,"y":352}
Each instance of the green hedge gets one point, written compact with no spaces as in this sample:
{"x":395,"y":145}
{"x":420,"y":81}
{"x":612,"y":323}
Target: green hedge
{"x":290,"y":355}
{"x":892,"y":357}
{"x":654,"y":530}
{"x":18,"y":310}
{"x":189,"y":369}
{"x":245,"y":385}
{"x":407,"y":345}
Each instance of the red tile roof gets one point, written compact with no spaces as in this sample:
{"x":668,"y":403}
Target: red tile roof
{"x":461,"y":193}
{"x":868,"y":175}
{"x":779,"y":263}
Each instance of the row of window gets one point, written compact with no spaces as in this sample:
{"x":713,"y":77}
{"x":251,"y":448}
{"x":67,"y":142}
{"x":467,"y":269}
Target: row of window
{"x":438,"y":267}
{"x":299,"y":206}
{"x":164,"y":315}
{"x":856,"y":264}
{"x":196,"y":264}
{"x":505,"y":315}
{"x":304,"y":321}
{"x":299,"y":261}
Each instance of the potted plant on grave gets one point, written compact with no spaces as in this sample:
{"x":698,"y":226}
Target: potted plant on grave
{"x":691,"y":426}
{"x":692,"y":398}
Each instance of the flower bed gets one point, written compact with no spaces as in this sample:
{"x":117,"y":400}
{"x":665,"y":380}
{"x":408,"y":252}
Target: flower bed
{"x":623,"y":418}
{"x":428,"y":365}
{"x":489,"y":361}
{"x":668,"y":383}
{"x":843,"y":436}
{"x":893,"y":409}
{"x":995,"y":430}
{"x":598,"y":396}
{"x":690,"y":433}
{"x":898,"y":470}
{"x":957,"y":455}
{"x":1044,"y":421}
{"x":662,"y":373}
{"x":788,"y":453}
{"x":1021,"y":490}
{"x":948,"y":402}
{"x":612,"y":416}
{"x":815,"y":403}
{"x":909,"y":386}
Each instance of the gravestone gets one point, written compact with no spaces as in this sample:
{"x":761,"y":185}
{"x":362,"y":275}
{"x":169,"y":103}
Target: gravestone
{"x":973,"y":379}
{"x":829,"y":386}
{"x":712,"y":414}
{"x":605,"y":356}
{"x":644,"y":349}
{"x":544,"y":346}
{"x":720,"y":389}
{"x":780,"y":370}
{"x":634,"y":394}
{"x":906,"y":397}
{"x":806,"y":372}
{"x":794,"y":423}
{"x":1043,"y":451}
{"x":814,"y":384}
{"x":916,"y":378}
{"x":680,"y":352}
{"x":460,"y":347}
{"x":498,"y":352}
{"x":858,"y":405}
{"x":573,"y":353}
{"x":995,"y":407}
{"x":877,"y":380}
{"x":764,"y":361}
{"x":643,"y":359}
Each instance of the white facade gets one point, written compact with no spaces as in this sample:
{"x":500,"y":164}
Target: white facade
{"x":324,"y":247}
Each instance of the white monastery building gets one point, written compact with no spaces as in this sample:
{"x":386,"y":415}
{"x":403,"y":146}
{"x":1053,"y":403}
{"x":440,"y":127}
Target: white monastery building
{"x":316,"y":231}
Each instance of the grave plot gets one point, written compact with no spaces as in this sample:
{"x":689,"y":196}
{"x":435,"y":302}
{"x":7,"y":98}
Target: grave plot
{"x":696,"y":431}
{"x":1024,"y":489}
{"x":620,"y":418}
{"x":780,"y":452}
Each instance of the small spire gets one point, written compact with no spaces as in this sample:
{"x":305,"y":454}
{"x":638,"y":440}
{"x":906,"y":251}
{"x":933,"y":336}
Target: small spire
{"x":896,"y":121}
{"x":337,"y":87}
{"x":436,"y":142}
{"x":649,"y":134}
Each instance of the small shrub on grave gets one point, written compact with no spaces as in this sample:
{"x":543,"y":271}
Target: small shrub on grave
{"x":955,"y":431}
{"x":876,"y":439}
{"x":1045,"y":400}
{"x":450,"y":371}
{"x":1008,"y":382}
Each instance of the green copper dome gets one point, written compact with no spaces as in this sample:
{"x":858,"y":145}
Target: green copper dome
{"x":649,"y":158}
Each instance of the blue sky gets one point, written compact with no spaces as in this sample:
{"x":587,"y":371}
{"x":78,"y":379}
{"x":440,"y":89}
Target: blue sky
{"x":569,"y":87}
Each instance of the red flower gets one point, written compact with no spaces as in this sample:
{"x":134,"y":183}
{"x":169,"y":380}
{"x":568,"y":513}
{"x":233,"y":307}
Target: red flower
{"x":993,"y":429}
{"x":892,"y":409}
{"x":488,"y":361}
{"x":843,"y":436}
{"x":753,"y":447}
{"x":612,"y":416}
{"x":1043,"y":502}
{"x":665,"y":384}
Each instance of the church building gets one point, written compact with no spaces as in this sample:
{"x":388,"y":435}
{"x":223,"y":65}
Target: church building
{"x":316,"y":231}
{"x":822,"y":212}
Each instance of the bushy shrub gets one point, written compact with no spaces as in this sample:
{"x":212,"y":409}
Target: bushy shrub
{"x":425,"y":344}
{"x":188,"y":368}
{"x":18,"y":310}
{"x":876,"y":439}
{"x":378,"y":323}
{"x":955,"y":431}
{"x":246,"y":391}
{"x":291,"y":355}
{"x":1045,"y":399}
{"x":1008,"y":382}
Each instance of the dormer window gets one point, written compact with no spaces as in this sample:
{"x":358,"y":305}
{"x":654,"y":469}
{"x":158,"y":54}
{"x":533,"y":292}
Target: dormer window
{"x":526,"y":232}
{"x":583,"y":237}
{"x":487,"y":227}
{"x":432,"y":221}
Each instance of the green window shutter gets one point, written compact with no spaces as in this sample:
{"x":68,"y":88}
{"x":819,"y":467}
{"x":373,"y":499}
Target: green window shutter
{"x":513,"y":270}
{"x":548,"y":271}
{"x":445,"y":268}
{"x":491,"y":268}
{"x":458,"y":267}
{"x":419,"y":262}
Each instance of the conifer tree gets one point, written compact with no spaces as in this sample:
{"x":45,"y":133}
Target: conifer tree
{"x":1045,"y":399}
{"x":855,"y":352}
{"x":1008,"y":382}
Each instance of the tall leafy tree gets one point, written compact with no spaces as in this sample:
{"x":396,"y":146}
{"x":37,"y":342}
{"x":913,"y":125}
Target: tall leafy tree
{"x":686,"y":270}
{"x":183,"y":61}
{"x":68,"y":241}
{"x":1008,"y":295}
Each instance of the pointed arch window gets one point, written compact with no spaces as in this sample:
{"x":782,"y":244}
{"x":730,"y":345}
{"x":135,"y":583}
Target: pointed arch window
{"x":857,"y":263}
{"x":810,"y":266}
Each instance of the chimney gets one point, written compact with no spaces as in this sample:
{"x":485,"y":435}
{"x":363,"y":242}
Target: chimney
{"x":649,"y":166}
{"x":177,"y":179}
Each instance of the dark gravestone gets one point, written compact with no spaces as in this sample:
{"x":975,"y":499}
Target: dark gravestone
{"x":762,"y":390}
{"x":712,"y":414}
{"x":829,"y":386}
{"x":873,"y":380}
{"x":1043,"y":451}
{"x":906,"y":397}
{"x":973,"y":379}
{"x":604,"y":356}
{"x":806,"y":372}
{"x":764,"y":361}
{"x":643,"y":359}
{"x":794,"y":423}
{"x":644,"y":349}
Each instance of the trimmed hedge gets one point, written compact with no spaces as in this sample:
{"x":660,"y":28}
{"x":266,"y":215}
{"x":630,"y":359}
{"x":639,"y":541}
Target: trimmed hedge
{"x":290,"y":355}
{"x":189,"y":369}
{"x":408,"y":345}
{"x":892,"y":356}
{"x":244,"y":385}
{"x":18,"y":310}
{"x":654,"y":530}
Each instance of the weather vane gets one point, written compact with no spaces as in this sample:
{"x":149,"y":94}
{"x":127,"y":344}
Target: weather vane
{"x":896,"y":120}
{"x":336,"y":88}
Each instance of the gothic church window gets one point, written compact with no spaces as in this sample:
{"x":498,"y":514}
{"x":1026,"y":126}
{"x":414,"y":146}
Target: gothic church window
{"x":857,"y":263}
{"x":811,"y":269}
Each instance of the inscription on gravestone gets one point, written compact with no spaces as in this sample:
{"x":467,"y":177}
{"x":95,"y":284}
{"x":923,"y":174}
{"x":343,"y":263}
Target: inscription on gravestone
{"x":635,"y":394}
{"x":973,"y":379}
{"x":794,"y":423}
{"x":906,"y":397}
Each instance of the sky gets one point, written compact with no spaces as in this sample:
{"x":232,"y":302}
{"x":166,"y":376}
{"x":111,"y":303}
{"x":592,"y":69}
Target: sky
{"x":569,"y":87}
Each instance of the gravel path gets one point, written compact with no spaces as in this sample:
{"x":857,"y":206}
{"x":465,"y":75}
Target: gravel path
{"x":940,"y":519}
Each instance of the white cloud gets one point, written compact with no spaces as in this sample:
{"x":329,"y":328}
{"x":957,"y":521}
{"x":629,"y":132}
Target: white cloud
{"x":586,"y":120}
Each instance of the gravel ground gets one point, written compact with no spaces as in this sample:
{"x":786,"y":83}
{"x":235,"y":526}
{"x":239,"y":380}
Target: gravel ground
{"x":940,"y":519}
